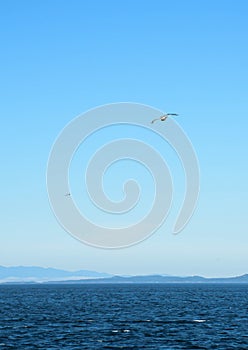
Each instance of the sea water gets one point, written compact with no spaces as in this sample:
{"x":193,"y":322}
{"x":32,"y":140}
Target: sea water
{"x":124,"y":316}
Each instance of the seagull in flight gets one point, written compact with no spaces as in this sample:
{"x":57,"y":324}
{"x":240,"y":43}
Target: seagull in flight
{"x":163,"y":117}
{"x":67,"y":194}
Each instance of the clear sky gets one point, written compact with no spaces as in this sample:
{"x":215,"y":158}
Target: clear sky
{"x":61,"y":58}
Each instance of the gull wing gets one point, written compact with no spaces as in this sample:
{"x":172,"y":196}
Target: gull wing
{"x":154,"y":120}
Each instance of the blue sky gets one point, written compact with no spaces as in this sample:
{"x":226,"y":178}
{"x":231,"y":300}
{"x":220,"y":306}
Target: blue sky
{"x":60,"y":58}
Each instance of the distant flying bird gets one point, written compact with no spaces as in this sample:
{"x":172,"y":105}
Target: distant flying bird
{"x":163,"y":117}
{"x":67,"y":194}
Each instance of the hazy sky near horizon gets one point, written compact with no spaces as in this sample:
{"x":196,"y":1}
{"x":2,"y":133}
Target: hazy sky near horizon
{"x":61,"y":58}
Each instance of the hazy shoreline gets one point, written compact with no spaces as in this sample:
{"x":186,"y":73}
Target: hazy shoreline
{"x":31,"y":275}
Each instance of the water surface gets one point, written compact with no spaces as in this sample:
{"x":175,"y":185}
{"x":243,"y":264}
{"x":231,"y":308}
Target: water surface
{"x":124,"y":316}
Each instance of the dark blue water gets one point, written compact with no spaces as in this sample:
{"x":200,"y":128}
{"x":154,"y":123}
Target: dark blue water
{"x":124,"y":317}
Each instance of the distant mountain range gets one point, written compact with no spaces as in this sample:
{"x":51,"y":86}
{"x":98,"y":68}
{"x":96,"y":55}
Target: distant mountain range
{"x":33,"y":274}
{"x":171,"y":279}
{"x":41,"y":274}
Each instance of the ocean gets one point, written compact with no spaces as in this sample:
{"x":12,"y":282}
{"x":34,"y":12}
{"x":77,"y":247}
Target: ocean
{"x":124,"y":316}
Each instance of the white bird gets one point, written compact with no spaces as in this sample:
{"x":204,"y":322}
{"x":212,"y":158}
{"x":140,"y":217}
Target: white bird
{"x":163,"y":117}
{"x":67,"y":194}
